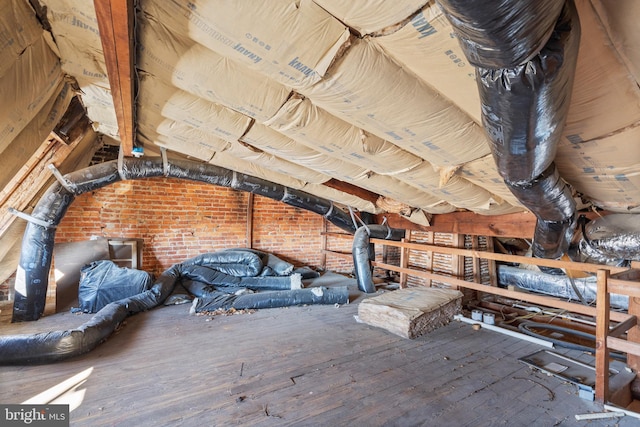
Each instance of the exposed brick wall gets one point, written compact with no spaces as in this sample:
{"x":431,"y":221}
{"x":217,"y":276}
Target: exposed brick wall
{"x":336,"y":262}
{"x":179,"y":219}
{"x":290,"y":233}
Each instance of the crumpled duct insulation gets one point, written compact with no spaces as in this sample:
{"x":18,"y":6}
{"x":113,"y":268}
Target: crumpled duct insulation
{"x":611,"y":239}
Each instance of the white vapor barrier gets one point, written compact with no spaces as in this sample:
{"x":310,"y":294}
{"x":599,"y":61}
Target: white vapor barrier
{"x":228,"y":161}
{"x":292,"y":42}
{"x":192,"y":151}
{"x":483,"y":172}
{"x":606,"y":170}
{"x":181,"y":138}
{"x":368,"y":16}
{"x":26,"y":86}
{"x":272,"y":141}
{"x":319,"y":130}
{"x":457,"y":191}
{"x":206,"y":74}
{"x":27,"y":142}
{"x":620,"y":18}
{"x":14,"y":39}
{"x":398,"y":190}
{"x":272,"y":162}
{"x":441,"y":62}
{"x":173,"y":103}
{"x":99,"y":104}
{"x":373,"y":92}
{"x":77,"y":39}
{"x":605,"y":98}
{"x":316,"y":128}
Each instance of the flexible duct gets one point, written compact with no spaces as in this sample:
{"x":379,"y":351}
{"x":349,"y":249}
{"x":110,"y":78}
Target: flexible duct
{"x":47,"y":347}
{"x":363,"y":253}
{"x":556,"y":285}
{"x":38,"y":240}
{"x":612,"y":239}
{"x":503,"y":33}
{"x":54,"y":346}
{"x":272,"y":299}
{"x":525,"y":55}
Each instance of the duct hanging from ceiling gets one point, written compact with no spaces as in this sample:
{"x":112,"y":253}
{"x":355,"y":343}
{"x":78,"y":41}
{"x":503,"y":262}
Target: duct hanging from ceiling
{"x":525,"y":54}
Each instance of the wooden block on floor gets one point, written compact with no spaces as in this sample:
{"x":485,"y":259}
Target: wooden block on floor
{"x":411,"y":312}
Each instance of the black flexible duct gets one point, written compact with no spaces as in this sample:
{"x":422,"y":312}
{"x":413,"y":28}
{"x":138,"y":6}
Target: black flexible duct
{"x":363,"y":253}
{"x":503,"y":33}
{"x":48,"y":347}
{"x":38,"y":240}
{"x":54,"y":346}
{"x":525,"y":55}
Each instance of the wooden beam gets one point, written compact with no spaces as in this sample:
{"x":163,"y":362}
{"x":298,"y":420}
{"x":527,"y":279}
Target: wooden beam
{"x":518,"y":225}
{"x":353,"y":190}
{"x":115,"y":22}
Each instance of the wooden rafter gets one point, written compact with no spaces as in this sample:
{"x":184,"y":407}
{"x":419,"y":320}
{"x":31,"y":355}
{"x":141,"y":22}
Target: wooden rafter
{"x":353,"y":190}
{"x":115,"y":21}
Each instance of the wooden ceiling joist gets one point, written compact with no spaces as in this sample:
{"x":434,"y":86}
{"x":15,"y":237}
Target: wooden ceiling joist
{"x":353,"y":190}
{"x":115,"y":21}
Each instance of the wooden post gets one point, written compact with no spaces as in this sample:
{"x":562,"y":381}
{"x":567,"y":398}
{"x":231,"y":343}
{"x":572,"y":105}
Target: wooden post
{"x":323,"y":256}
{"x":404,"y":259}
{"x":250,"y":221}
{"x":457,"y":261}
{"x":430,"y":239}
{"x":477,"y":270}
{"x":602,"y":331}
{"x":493,"y":276}
{"x":633,"y":334}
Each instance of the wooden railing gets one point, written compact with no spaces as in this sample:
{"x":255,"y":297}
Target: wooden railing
{"x":618,"y":280}
{"x":608,"y":338}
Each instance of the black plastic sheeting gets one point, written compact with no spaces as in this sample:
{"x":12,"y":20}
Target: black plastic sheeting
{"x":102,"y":282}
{"x":54,"y":346}
{"x":525,"y":56}
{"x":363,"y":252}
{"x":612,"y":239}
{"x":38,"y":240}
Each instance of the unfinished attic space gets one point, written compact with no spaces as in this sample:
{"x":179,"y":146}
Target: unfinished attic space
{"x":320,"y":212}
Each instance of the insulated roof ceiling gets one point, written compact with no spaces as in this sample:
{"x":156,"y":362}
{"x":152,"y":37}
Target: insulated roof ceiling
{"x":372,"y":93}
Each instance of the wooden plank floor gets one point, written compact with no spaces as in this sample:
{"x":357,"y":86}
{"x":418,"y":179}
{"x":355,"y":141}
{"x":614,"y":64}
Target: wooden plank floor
{"x":300,"y":366}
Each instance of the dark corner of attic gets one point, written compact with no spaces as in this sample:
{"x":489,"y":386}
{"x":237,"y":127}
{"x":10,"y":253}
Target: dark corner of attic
{"x":122,"y":231}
